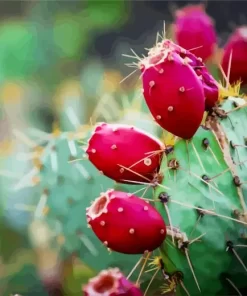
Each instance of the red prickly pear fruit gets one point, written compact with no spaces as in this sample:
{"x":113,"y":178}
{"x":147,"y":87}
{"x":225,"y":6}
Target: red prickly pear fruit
{"x":173,"y":93}
{"x":114,"y":147}
{"x":210,"y":86}
{"x":237,"y":47}
{"x":194,"y":29}
{"x":126,"y":223}
{"x":111,"y":282}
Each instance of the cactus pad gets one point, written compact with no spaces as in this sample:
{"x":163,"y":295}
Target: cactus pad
{"x":203,"y":207}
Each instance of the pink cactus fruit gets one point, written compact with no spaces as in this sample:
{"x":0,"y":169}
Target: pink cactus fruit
{"x":194,"y":29}
{"x":126,"y":223}
{"x":111,"y":282}
{"x":210,"y":85}
{"x":115,"y":147}
{"x":173,"y":92}
{"x":237,"y":47}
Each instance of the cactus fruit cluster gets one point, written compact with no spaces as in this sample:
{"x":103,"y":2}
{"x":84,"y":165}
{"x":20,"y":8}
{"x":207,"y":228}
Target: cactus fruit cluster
{"x":155,"y":214}
{"x":198,"y":183}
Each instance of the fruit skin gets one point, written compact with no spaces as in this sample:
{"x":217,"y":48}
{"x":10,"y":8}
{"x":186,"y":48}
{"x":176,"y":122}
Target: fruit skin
{"x":194,"y":29}
{"x":111,"y":282}
{"x":173,"y":93}
{"x":112,"y":145}
{"x":210,"y":85}
{"x":126,"y":223}
{"x":237,"y":45}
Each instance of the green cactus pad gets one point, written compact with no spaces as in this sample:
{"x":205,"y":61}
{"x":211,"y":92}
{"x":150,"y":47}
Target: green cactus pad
{"x":200,"y":202}
{"x":235,"y":126}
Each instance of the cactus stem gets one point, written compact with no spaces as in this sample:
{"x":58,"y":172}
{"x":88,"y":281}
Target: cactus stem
{"x":233,"y":285}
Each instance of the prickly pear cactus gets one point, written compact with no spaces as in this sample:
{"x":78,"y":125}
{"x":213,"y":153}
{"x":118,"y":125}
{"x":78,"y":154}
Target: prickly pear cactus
{"x":200,"y":185}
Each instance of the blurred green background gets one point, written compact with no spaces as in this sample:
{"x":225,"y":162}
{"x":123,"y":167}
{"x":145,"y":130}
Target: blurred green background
{"x":58,"y":60}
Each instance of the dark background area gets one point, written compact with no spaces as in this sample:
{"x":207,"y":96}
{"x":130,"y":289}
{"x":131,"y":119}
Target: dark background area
{"x":145,"y":16}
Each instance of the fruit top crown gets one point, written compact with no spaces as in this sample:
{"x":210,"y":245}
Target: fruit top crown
{"x":161,"y":52}
{"x":105,"y":283}
{"x":99,"y":206}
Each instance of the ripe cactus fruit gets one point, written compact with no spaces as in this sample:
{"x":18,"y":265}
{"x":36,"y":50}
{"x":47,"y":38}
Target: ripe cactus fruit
{"x":108,"y":147}
{"x":126,"y":223}
{"x":235,"y":56}
{"x":194,"y":29}
{"x":173,"y":92}
{"x":111,"y":282}
{"x":210,"y":85}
